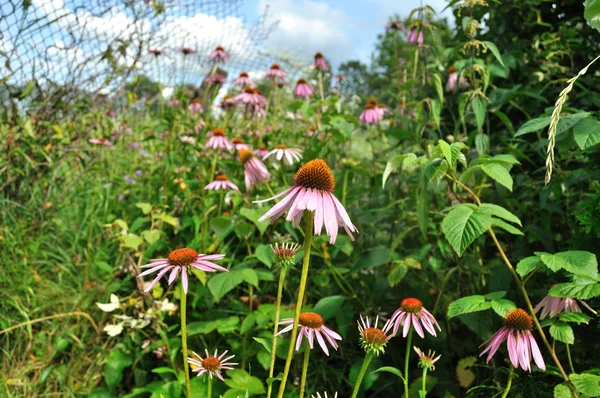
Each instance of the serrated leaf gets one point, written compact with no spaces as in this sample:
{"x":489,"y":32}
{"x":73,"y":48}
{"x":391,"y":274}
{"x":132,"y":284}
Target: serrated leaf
{"x":267,"y":343}
{"x":527,"y":265}
{"x":327,"y":307}
{"x":562,"y":391}
{"x":499,"y":173}
{"x":145,"y":207}
{"x":582,"y":290}
{"x":506,"y":226}
{"x":586,"y":383}
{"x":492,"y":47}
{"x":151,"y":236}
{"x":223,"y":282}
{"x":396,"y":163}
{"x":575,"y":262}
{"x":533,"y":125}
{"x":503,"y":306}
{"x":495,"y":295}
{"x":397,"y":273}
{"x":575,"y":317}
{"x":587,"y":133}
{"x":254,"y":215}
{"x":479,"y":106}
{"x":499,"y":211}
{"x":439,"y":87}
{"x":592,"y":13}
{"x":265,"y":255}
{"x":462,"y":225}
{"x":467,"y":305}
{"x":563,"y":333}
{"x":132,"y":241}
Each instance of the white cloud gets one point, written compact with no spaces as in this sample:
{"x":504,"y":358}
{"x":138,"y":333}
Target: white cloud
{"x":309,"y":26}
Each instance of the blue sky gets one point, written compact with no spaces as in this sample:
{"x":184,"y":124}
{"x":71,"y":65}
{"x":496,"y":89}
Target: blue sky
{"x":340,"y":29}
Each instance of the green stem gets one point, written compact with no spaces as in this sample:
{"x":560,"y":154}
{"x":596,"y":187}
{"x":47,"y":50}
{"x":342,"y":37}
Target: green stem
{"x":221,"y":198}
{"x":213,"y":167}
{"x":182,"y":310}
{"x":276,"y":327}
{"x":308,"y":234}
{"x":362,"y":372}
{"x":509,"y":382}
{"x":406,"y":360}
{"x":321,"y":92}
{"x":304,"y":368}
{"x":209,"y":393}
{"x":570,"y":360}
{"x":424,"y":385}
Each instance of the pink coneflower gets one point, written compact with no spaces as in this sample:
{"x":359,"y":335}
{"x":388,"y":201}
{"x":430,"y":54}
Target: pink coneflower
{"x":321,"y":62}
{"x":373,"y":339}
{"x":454,"y":82}
{"x":340,"y":78}
{"x":324,"y":395}
{"x":181,"y":259}
{"x":219,"y":55}
{"x":427,"y":361}
{"x":555,"y":305}
{"x":125,"y":129}
{"x":217,"y":78}
{"x":412,"y":312}
{"x":521,"y":344}
{"x":227,"y":103}
{"x":187,"y":139}
{"x":311,"y":325}
{"x":221,"y":182}
{"x":289,"y":155}
{"x":254,"y":169}
{"x":251,"y":96}
{"x":244,"y":80}
{"x":195,"y":106}
{"x":313,"y":191}
{"x":186,"y":50}
{"x":156,"y":53}
{"x":173,"y":103}
{"x":239,"y":144}
{"x":261,"y":152}
{"x":218,"y":140}
{"x":370,"y":115}
{"x":100,"y":141}
{"x":275,"y":72}
{"x":394,"y":26}
{"x":211,"y":364}
{"x":303,"y":90}
{"x":285,"y":253}
{"x":415,"y":37}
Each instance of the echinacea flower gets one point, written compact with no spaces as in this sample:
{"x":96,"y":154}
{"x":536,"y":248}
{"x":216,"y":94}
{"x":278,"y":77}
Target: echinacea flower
{"x":313,"y":191}
{"x":303,"y":90}
{"x":219,"y":55}
{"x":199,"y":125}
{"x":211,"y":364}
{"x":395,"y":25}
{"x":239,"y":144}
{"x":415,"y":37}
{"x":218,"y":140}
{"x":285,"y":254}
{"x":100,"y":141}
{"x":173,"y":103}
{"x":521,"y":345}
{"x":383,"y":110}
{"x":181,"y":260}
{"x":311,"y":325}
{"x":370,"y":115}
{"x":125,"y":129}
{"x":186,"y":50}
{"x":251,"y":96}
{"x":275,"y":72}
{"x":244,"y":80}
{"x":321,"y":62}
{"x":340,"y":78}
{"x":217,"y":78}
{"x":227,"y":103}
{"x":221,"y":182}
{"x":261,"y":152}
{"x":195,"y":106}
{"x":412,"y":312}
{"x":289,"y":155}
{"x":255,"y":171}
{"x":555,"y":305}
{"x":156,"y":52}
{"x":324,"y":395}
{"x":427,"y":361}
{"x":188,"y":139}
{"x":373,"y":339}
{"x":454,"y":82}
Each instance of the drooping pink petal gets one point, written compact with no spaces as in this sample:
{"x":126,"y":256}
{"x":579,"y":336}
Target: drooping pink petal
{"x":535,"y":351}
{"x":322,"y":342}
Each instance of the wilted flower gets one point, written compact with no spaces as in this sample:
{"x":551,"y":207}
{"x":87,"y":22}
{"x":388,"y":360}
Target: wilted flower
{"x":427,"y":361}
{"x":181,"y":259}
{"x":218,"y":140}
{"x":303,"y":90}
{"x":373,"y":339}
{"x":395,"y":25}
{"x":285,"y":254}
{"x":555,"y":305}
{"x":254,"y":169}
{"x":227,"y":103}
{"x":412,"y":312}
{"x":415,"y":37}
{"x":188,"y":139}
{"x":244,"y":80}
{"x":100,"y":141}
{"x":186,"y":50}
{"x":239,"y":144}
{"x":199,"y":126}
{"x":173,"y":103}
{"x":211,"y":364}
{"x":112,"y":305}
{"x":221,"y":182}
{"x":453,"y":79}
{"x":261,"y":152}
{"x":125,"y":129}
{"x":321,"y":62}
{"x":156,"y":53}
{"x":275,"y":72}
{"x":340,"y":78}
{"x":313,"y":191}
{"x":311,"y":325}
{"x":370,"y":115}
{"x":324,"y":395}
{"x":521,"y":344}
{"x":289,"y":155}
{"x":219,"y":55}
{"x":195,"y":106}
{"x":217,"y":78}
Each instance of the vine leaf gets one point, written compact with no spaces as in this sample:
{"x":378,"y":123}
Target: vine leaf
{"x":463,"y":224}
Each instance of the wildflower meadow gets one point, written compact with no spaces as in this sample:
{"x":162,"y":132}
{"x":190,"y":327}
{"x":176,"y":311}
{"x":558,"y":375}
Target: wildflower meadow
{"x":422,"y":224}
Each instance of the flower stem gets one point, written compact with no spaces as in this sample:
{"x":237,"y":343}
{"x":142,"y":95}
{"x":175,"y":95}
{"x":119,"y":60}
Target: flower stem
{"x":406,"y":360}
{"x":209,"y":392}
{"x":308,"y":234}
{"x":570,"y":360}
{"x":304,"y":369}
{"x":424,"y":385}
{"x":509,"y":382}
{"x":361,"y":374}
{"x":213,"y":167}
{"x":276,"y":327}
{"x":182,"y":310}
{"x":321,"y":92}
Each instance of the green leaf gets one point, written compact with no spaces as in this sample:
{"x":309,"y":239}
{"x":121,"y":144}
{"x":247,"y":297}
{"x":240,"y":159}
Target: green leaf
{"x":482,"y":143}
{"x":397,"y":273}
{"x":575,"y":262}
{"x":499,"y":173}
{"x":533,"y":125}
{"x":506,"y":226}
{"x":499,"y":211}
{"x":592,"y":13}
{"x":249,"y":276}
{"x":327,"y":307}
{"x":116,"y":362}
{"x":462,"y":225}
{"x":436,"y":111}
{"x":151,"y":236}
{"x":254,"y":215}
{"x":222,"y":325}
{"x":439,"y":87}
{"x":492,"y":47}
{"x":28,"y":89}
{"x":395,"y":163}
{"x":467,"y":305}
{"x":587,"y":133}
{"x":390,"y":369}
{"x":586,"y":383}
{"x":267,"y":343}
{"x":503,"y":306}
{"x":562,"y":391}
{"x":146,"y":207}
{"x":265,"y":255}
{"x":240,"y":380}
{"x":374,"y":257}
{"x":163,"y":370}
{"x":563,"y":333}
{"x":223,"y":282}
{"x":495,"y":295}
{"x":131,"y":241}
{"x":582,"y":290}
{"x":479,"y":106}
{"x":575,"y":317}
{"x":527,"y":265}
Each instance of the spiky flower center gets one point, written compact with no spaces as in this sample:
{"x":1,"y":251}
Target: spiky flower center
{"x":275,"y":66}
{"x":249,"y":90}
{"x":219,"y":48}
{"x":284,"y":253}
{"x":245,"y":155}
{"x":237,"y":141}
{"x":370,"y":106}
{"x":316,"y":175}
{"x":195,"y":101}
{"x":518,"y":319}
{"x":301,"y":81}
{"x":243,"y":74}
{"x":374,"y":336}
{"x":222,"y":177}
{"x":451,"y":69}
{"x":311,"y":320}
{"x":263,"y":148}
{"x":372,"y":101}
{"x":257,"y":91}
{"x":211,"y":364}
{"x":227,"y":96}
{"x":318,"y":55}
{"x":219,"y":131}
{"x":182,"y":257}
{"x":280,"y":146}
{"x":411,"y":305}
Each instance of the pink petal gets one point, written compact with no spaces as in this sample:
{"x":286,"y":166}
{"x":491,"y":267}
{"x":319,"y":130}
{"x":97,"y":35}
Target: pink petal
{"x":322,"y":342}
